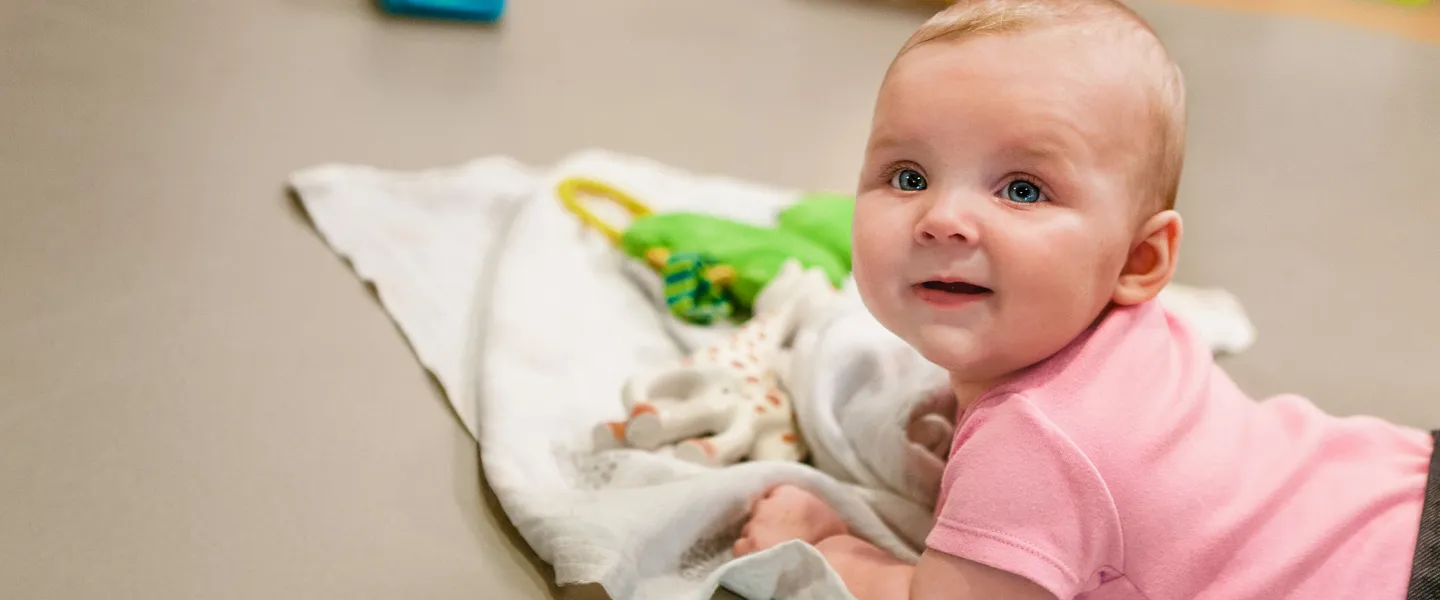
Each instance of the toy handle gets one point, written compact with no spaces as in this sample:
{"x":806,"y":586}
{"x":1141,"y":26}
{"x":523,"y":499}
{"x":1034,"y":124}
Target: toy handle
{"x":570,"y":191}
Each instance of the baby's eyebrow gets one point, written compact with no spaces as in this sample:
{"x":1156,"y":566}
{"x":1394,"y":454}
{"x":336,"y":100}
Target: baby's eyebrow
{"x":885,"y":141}
{"x":1042,"y":152}
{"x":1039,"y":152}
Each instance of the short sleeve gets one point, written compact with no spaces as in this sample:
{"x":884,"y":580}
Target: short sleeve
{"x":1020,"y":496}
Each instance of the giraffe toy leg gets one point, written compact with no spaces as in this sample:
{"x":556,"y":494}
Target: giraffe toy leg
{"x":778,"y":444}
{"x":674,"y":403}
{"x":721,"y":449}
{"x":657,"y":423}
{"x":609,"y":435}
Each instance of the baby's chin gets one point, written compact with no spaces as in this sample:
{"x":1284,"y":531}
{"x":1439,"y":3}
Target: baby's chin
{"x":955,"y":349}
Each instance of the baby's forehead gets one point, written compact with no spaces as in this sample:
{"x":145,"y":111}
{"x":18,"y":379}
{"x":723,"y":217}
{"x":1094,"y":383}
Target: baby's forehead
{"x":1102,"y":34}
{"x":1100,"y":55}
{"x":1037,"y":78}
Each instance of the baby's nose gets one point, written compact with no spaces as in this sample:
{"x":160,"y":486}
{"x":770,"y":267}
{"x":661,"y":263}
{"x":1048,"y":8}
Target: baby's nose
{"x":930,"y":235}
{"x":946,"y":222}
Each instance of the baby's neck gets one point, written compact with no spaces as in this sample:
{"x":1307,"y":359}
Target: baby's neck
{"x":967,"y":392}
{"x":968,"y":389}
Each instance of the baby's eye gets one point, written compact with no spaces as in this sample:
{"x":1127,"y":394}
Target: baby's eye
{"x":908,"y":180}
{"x":1023,"y":192}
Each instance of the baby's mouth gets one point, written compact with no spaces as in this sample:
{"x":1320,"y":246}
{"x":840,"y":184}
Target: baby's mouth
{"x":956,"y":287}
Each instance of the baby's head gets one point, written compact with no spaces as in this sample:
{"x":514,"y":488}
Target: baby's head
{"x":1019,"y":180}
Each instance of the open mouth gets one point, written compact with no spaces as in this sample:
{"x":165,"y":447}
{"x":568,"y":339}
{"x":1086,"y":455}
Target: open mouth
{"x":956,"y":287}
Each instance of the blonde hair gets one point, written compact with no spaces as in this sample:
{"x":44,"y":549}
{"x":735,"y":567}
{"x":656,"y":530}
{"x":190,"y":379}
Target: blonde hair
{"x":965,"y":18}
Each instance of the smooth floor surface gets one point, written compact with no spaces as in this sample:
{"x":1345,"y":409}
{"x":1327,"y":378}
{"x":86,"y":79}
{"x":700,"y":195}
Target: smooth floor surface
{"x":198,"y":400}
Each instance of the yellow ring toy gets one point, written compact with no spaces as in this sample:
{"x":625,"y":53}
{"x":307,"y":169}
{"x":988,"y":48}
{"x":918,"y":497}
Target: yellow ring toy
{"x":570,"y":191}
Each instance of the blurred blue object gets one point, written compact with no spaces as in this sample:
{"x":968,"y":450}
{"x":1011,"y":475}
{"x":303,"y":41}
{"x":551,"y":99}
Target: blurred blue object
{"x":468,"y":10}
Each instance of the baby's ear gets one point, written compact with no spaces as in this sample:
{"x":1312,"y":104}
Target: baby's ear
{"x":1152,"y":260}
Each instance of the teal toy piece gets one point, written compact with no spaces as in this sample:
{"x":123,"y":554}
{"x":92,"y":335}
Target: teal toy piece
{"x":465,"y":10}
{"x":690,"y":295}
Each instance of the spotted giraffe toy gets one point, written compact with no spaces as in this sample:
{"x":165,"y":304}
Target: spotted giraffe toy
{"x":726,"y":401}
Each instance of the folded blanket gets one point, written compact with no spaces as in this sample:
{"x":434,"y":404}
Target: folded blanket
{"x":531,"y":325}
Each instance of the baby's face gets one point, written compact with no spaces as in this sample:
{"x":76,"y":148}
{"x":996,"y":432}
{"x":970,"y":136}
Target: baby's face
{"x":998,"y":200}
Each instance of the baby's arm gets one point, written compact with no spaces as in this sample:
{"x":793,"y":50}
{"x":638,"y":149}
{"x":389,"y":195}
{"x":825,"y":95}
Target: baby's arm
{"x":788,"y":512}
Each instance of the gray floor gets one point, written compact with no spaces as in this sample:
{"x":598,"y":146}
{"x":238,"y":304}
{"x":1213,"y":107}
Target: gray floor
{"x":198,"y":400}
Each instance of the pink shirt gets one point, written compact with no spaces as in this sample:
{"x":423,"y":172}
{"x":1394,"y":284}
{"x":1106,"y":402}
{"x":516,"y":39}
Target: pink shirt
{"x":1130,"y":466}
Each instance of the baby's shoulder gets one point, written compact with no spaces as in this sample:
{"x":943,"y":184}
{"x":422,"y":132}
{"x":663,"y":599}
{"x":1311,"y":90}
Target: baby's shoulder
{"x":1134,"y":362}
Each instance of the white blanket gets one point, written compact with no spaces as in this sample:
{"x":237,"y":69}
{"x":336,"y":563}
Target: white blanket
{"x":531,"y":325}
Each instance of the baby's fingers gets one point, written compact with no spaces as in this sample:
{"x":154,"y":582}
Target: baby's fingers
{"x":925,"y":469}
{"x":932,"y":432}
{"x":940,"y":401}
{"x":743,"y":546}
{"x":757,"y":501}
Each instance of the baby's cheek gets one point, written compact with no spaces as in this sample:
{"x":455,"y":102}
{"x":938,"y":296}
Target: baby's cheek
{"x":860,"y":270}
{"x":1063,"y":265}
{"x":1066,"y":308}
{"x":866,"y":250}
{"x":871,"y":262}
{"x":1048,"y":295}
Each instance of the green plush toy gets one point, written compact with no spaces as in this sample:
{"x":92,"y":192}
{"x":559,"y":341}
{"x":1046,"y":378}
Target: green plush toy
{"x":714,"y":267}
{"x":824,"y":218}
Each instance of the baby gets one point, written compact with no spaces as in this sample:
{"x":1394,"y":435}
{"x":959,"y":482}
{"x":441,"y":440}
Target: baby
{"x":1014,"y":224}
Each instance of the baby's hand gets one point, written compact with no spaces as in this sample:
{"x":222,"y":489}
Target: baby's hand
{"x":786,"y":513}
{"x":928,"y":435}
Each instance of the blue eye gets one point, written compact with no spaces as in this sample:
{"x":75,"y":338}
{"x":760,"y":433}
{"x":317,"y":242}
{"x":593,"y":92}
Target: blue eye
{"x":908,"y":180}
{"x":1023,"y":192}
